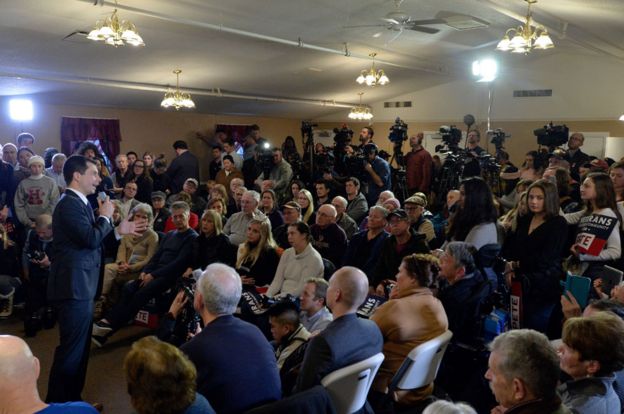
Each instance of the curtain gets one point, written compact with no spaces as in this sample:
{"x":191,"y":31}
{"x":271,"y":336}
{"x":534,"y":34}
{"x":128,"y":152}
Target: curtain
{"x":105,"y":133}
{"x":236,"y":132}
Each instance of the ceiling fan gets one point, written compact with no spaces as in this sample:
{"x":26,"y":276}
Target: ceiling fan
{"x":398,"y":21}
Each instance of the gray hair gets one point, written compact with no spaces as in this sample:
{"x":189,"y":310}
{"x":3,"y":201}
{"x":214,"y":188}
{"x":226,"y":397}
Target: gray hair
{"x":181,"y":205}
{"x":146,"y":209}
{"x":381,"y":209}
{"x":58,"y":157}
{"x":528,"y":355}
{"x":221,"y":288}
{"x":343,"y":201}
{"x":447,"y":407}
{"x":254,"y":194}
{"x":462,"y":254}
{"x":320,"y":287}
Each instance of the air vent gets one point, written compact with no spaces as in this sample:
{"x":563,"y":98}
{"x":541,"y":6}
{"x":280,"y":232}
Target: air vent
{"x":532,"y":93}
{"x":398,"y":104}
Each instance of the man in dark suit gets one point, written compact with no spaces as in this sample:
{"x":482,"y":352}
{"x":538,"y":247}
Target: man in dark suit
{"x":74,"y":273}
{"x":347,"y":339}
{"x":184,"y":166}
{"x":236,"y":366}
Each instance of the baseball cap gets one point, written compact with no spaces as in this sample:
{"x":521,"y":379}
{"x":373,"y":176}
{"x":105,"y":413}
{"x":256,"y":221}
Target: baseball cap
{"x":159,"y":194}
{"x":398,"y":213}
{"x":192,"y":180}
{"x":294,"y":205}
{"x":596,"y":165}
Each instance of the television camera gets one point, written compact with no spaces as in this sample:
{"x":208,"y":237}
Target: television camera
{"x":551,"y":135}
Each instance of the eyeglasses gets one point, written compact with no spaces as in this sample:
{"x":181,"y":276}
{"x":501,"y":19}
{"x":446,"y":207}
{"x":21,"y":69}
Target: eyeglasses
{"x":139,"y":166}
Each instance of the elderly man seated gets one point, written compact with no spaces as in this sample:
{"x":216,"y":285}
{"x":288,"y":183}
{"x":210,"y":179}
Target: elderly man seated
{"x":328,"y":238}
{"x":236,"y":226}
{"x":236,"y":367}
{"x":19,"y":371}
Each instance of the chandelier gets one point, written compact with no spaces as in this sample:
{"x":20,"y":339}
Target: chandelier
{"x":176,"y":98}
{"x":114,"y":33}
{"x":372,"y":77}
{"x":360,"y":112}
{"x":523,"y":39}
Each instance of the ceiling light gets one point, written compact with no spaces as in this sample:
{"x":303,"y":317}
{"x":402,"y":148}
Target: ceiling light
{"x":114,"y":33}
{"x":360,"y":112}
{"x":372,"y":77}
{"x":523,"y":39}
{"x":622,"y":117}
{"x":485,"y":69}
{"x":176,"y":98}
{"x":21,"y":109}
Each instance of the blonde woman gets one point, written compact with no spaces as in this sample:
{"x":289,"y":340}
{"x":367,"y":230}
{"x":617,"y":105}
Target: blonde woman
{"x":305,"y":200}
{"x":212,"y":246}
{"x":257,"y":257}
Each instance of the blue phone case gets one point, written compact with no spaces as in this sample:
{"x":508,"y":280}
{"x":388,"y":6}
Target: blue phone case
{"x":579,"y":287}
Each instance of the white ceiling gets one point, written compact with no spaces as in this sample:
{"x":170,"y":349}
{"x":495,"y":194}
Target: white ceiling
{"x":37,"y":61}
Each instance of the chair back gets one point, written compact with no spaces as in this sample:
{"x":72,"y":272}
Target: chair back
{"x":420,"y":367}
{"x":348,"y":386}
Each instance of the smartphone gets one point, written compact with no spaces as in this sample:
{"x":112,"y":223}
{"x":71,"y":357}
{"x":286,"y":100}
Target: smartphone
{"x":579,"y":287}
{"x":102,"y":196}
{"x":611,"y":277}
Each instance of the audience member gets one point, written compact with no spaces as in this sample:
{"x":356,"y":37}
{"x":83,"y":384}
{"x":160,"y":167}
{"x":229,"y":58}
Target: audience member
{"x":297,"y":263}
{"x":9,"y":154}
{"x":357,"y":207}
{"x":25,"y":139}
{"x":447,"y":407}
{"x":280,"y":175}
{"x":161,"y":180}
{"x":575,"y":156}
{"x":143,"y":180}
{"x":418,"y":166}
{"x":197,"y":202}
{"x":228,"y":173}
{"x":411,"y":317}
{"x":22,"y":170}
{"x":592,"y":350}
{"x":347,"y":339}
{"x":215,"y":165}
{"x":122,"y":174}
{"x":257,"y":257}
{"x":35,"y":195}
{"x":236,"y":367}
{"x":161,"y":213}
{"x":378,"y":169}
{"x":327,"y":237}
{"x":270,"y":208}
{"x":534,"y":253}
{"x":237,"y":189}
{"x":306,"y":202}
{"x":19,"y":372}
{"x":132,"y":157}
{"x":229,"y":148}
{"x":185,"y":165}
{"x":313,"y":303}
{"x":402,"y":242}
{"x":365,"y":247}
{"x":323,"y":195}
{"x":415,"y":207}
{"x":291,"y":213}
{"x":346,"y":223}
{"x":127,"y":199}
{"x":237,"y":224}
{"x":161,"y":379}
{"x":55,"y":171}
{"x":532,"y":168}
{"x":523,"y":370}
{"x":287,"y":331}
{"x":212,"y":246}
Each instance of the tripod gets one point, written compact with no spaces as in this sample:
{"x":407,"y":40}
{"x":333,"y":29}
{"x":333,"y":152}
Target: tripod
{"x":399,"y":181}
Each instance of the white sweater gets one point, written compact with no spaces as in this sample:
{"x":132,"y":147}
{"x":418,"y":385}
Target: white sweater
{"x":294,"y":269}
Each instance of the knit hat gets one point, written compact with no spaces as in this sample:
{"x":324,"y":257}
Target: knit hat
{"x":159,"y":194}
{"x":396,"y":203}
{"x":36,"y":159}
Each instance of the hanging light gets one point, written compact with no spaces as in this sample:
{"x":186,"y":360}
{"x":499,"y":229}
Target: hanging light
{"x":176,"y":98}
{"x":360,"y":112}
{"x":373,"y":77}
{"x":523,"y":39}
{"x":115,"y":33}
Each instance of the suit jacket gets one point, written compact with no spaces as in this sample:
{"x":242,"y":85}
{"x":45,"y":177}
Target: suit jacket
{"x":345,"y":341}
{"x":182,"y":167}
{"x":76,"y":248}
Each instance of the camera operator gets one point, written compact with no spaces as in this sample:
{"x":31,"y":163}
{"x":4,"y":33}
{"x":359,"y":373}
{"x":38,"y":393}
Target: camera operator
{"x":366,"y":137}
{"x":418,"y":164}
{"x":281,"y":174}
{"x":473,"y":168}
{"x":574,"y":155}
{"x":378,"y":169}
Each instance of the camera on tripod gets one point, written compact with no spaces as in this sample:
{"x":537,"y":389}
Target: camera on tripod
{"x":398,"y":131}
{"x":451,"y":136}
{"x":498,"y":137}
{"x":343,"y":136}
{"x":552,"y":135}
{"x":265,"y":157}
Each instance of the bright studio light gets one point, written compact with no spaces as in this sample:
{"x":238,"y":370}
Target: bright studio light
{"x":485,"y":69}
{"x":21,"y":109}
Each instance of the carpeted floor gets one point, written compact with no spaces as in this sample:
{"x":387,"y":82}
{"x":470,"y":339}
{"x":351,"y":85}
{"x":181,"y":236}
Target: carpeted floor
{"x":105,"y":379}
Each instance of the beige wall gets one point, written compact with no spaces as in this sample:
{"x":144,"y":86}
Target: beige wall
{"x":144,"y":130}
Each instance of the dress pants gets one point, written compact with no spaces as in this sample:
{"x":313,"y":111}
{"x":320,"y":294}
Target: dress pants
{"x":133,"y":298}
{"x":69,"y":369}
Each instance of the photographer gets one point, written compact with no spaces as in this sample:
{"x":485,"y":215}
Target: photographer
{"x":574,"y":155}
{"x":418,"y":164}
{"x":366,"y":137}
{"x":378,"y":169}
{"x":280,"y":173}
{"x":472,"y":168}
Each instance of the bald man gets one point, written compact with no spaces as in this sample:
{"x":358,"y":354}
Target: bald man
{"x":19,"y":371}
{"x":328,"y":238}
{"x":347,"y":339}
